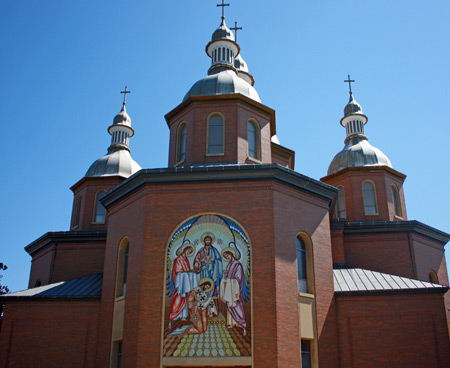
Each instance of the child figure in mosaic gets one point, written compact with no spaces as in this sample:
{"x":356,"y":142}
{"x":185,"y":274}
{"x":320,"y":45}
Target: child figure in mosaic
{"x":201,"y":307}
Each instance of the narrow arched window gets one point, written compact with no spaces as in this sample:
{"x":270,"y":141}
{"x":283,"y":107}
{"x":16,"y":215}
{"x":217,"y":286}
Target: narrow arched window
{"x":302,"y":265}
{"x":432,"y":276}
{"x":37,"y":283}
{"x":215,"y":134}
{"x":122,"y":269}
{"x":341,"y":212}
{"x":76,"y":215}
{"x":181,"y":143}
{"x":396,"y":201}
{"x":369,"y":196}
{"x":99,"y":209}
{"x":253,"y":134}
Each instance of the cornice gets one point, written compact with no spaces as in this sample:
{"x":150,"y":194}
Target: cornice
{"x":364,"y":169}
{"x":66,"y":237}
{"x":219,"y":173}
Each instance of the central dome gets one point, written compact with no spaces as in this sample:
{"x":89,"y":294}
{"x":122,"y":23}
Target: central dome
{"x":223,"y":83}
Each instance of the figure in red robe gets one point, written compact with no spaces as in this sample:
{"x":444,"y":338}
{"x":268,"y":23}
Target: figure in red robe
{"x":178,"y":306}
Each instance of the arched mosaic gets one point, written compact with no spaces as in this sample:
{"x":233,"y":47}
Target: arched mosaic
{"x":208,"y":298}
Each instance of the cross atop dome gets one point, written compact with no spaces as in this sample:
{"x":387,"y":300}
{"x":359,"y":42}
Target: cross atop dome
{"x":349,"y":81}
{"x":223,"y":5}
{"x":125,"y":95}
{"x":235,"y":29}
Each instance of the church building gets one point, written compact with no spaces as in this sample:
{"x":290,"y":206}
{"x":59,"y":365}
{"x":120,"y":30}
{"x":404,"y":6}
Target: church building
{"x":228,"y":257}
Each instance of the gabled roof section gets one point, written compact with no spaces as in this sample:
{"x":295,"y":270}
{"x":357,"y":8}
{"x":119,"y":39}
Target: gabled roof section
{"x":357,"y":281}
{"x":84,"y":288}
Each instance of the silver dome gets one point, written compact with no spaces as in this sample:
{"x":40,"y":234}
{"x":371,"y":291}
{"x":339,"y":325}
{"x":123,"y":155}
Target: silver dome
{"x":240,"y":64}
{"x":122,"y":117}
{"x":358,"y":152}
{"x":222,"y":33}
{"x":352,"y":107}
{"x":223,"y":83}
{"x":115,"y":163}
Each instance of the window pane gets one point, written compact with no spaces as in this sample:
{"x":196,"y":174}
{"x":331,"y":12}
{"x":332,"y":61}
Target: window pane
{"x":252,"y":144}
{"x":182,"y":144}
{"x":341,"y":204}
{"x":370,"y":207}
{"x":125,"y":270}
{"x":100,"y":211}
{"x":215,"y":135}
{"x":306,"y":354}
{"x":395,"y":201}
{"x":302,"y":266}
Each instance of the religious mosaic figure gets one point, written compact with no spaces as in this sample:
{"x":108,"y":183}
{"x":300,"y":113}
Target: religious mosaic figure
{"x":231,"y":289}
{"x":201,"y":307}
{"x":208,"y":264}
{"x":183,"y":281}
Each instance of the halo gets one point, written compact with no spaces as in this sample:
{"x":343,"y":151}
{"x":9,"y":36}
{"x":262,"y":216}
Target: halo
{"x":183,"y":247}
{"x":232,"y":251}
{"x":204,"y":235}
{"x":207,"y":279}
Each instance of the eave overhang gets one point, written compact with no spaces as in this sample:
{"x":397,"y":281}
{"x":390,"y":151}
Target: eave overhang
{"x":368,"y":168}
{"x":220,"y":173}
{"x":211,"y":99}
{"x":382,"y":227}
{"x":66,"y":237}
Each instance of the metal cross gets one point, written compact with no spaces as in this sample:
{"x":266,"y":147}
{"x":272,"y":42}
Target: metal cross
{"x":349,"y":81}
{"x":235,"y":29}
{"x":125,"y":95}
{"x":223,"y":5}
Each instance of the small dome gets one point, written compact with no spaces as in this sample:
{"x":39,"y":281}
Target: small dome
{"x":222,"y":33}
{"x":358,"y":152}
{"x":118,"y":162}
{"x":240,"y":64}
{"x":122,"y":118}
{"x":223,"y":83}
{"x":352,"y":107}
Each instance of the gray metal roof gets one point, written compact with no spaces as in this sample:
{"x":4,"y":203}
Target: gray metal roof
{"x":357,"y":280}
{"x":81,"y":288}
{"x":115,"y":163}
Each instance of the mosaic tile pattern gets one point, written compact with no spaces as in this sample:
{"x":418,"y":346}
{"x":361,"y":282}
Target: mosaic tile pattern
{"x":217,"y":341}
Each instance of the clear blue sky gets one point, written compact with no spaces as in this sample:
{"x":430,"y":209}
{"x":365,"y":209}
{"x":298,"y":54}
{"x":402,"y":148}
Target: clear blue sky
{"x":64,"y":62}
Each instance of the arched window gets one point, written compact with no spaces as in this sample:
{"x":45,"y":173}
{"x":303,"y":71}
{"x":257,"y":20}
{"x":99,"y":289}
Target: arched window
{"x":37,"y":283}
{"x":341,"y":212}
{"x":432,"y":276}
{"x":122,"y":269}
{"x":396,"y":201}
{"x":253,"y":134}
{"x":181,"y":143}
{"x":215,"y":135}
{"x":76,"y":215}
{"x":370,"y":200}
{"x":304,"y":265}
{"x":99,"y":209}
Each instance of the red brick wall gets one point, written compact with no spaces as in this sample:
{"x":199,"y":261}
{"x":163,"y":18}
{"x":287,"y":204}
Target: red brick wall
{"x":150,"y":217}
{"x":65,"y":261}
{"x":352,"y":179}
{"x":392,"y":331}
{"x":39,"y":334}
{"x":88,"y":188}
{"x":236,"y":114}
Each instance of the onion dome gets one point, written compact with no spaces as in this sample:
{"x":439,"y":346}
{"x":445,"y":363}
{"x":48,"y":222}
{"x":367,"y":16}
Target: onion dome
{"x":357,"y":150}
{"x":242,"y":70}
{"x":118,"y":161}
{"x":223,"y":83}
{"x":228,"y":73}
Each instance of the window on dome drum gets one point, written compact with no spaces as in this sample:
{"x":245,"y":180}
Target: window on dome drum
{"x":306,"y":354}
{"x":341,"y":212}
{"x":432,"y":276}
{"x":99,"y":209}
{"x":396,"y":201}
{"x":370,"y":201}
{"x":215,"y":135}
{"x":302,"y":265}
{"x":76,"y":217}
{"x":253,"y":134}
{"x":181,"y":143}
{"x":37,"y":283}
{"x":122,"y":268}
